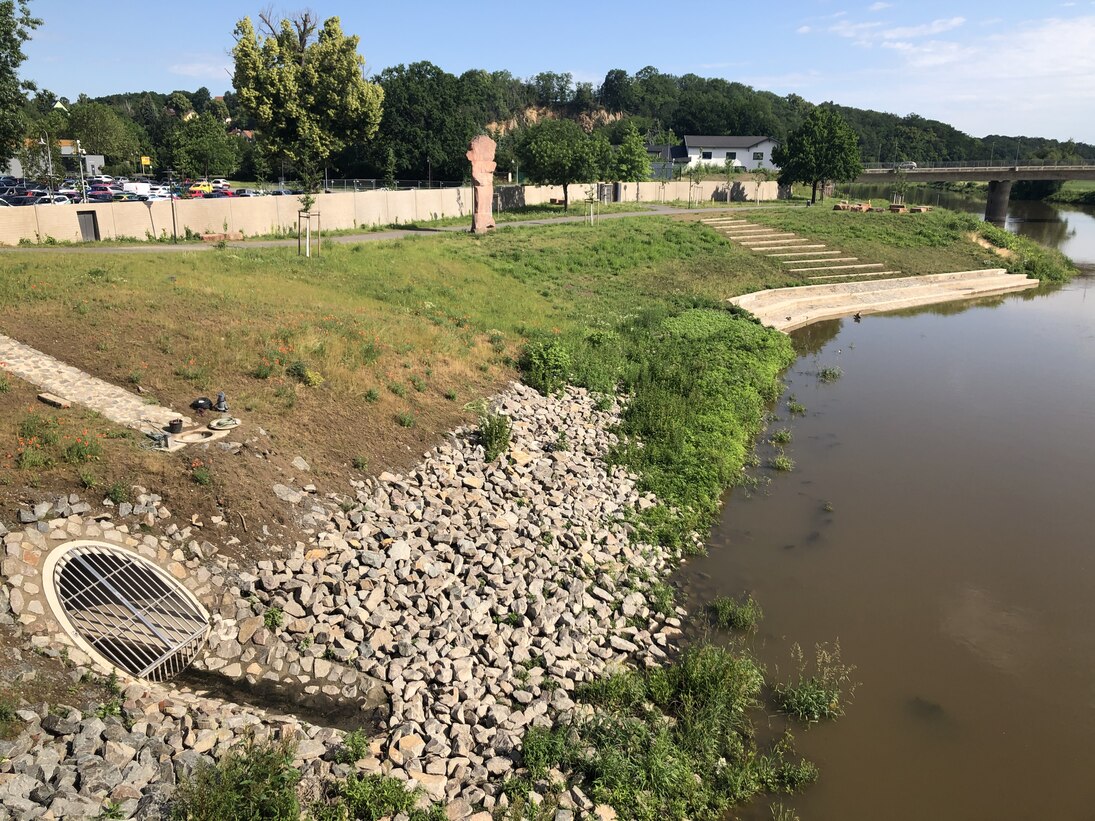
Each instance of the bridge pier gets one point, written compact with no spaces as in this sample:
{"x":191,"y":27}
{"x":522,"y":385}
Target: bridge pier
{"x":997,"y":208}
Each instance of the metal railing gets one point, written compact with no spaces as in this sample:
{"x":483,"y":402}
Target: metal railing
{"x":981,"y":165}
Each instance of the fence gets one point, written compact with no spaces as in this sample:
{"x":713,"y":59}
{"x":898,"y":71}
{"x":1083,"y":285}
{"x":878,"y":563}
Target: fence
{"x":263,"y":216}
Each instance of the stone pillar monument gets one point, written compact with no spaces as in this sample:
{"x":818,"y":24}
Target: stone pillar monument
{"x":481,"y":155}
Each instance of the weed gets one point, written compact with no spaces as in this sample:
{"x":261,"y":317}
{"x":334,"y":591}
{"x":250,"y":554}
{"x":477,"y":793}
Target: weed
{"x":604,"y":403}
{"x":273,"y":618}
{"x":201,"y":475}
{"x":82,"y":449}
{"x":662,"y":599}
{"x":111,"y":810}
{"x":118,"y":492}
{"x":372,"y":797}
{"x":827,"y":507}
{"x":397,"y":389}
{"x":360,"y":463}
{"x":263,"y":370}
{"x":780,"y":437}
{"x":821,"y":693}
{"x":32,"y":458}
{"x":299,"y":370}
{"x":450,"y":395}
{"x":829,"y":374}
{"x":418,"y":383}
{"x":731,"y":614}
{"x":88,"y":479}
{"x":561,"y":443}
{"x":405,"y":419}
{"x":5,"y":385}
{"x":494,"y":434}
{"x":782,"y":462}
{"x":355,"y":746}
{"x":42,"y":430}
{"x":372,"y":395}
{"x":251,"y":780}
{"x":135,"y":377}
{"x":192,"y":372}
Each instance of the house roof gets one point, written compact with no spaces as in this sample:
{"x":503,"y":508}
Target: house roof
{"x":700,"y":141}
{"x":668,"y":153}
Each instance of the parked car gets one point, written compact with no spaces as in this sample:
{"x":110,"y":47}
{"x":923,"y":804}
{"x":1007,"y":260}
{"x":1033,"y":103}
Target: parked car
{"x":220,"y":183}
{"x":200,"y":187}
{"x":52,"y":199}
{"x":100,"y":196}
{"x":908,"y":165}
{"x":4,"y":203}
{"x":126,"y":196}
{"x":219,"y":193}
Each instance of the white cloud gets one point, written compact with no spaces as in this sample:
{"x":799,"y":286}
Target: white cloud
{"x":879,"y":6}
{"x":934,"y":27}
{"x":803,"y":30}
{"x":203,"y":68}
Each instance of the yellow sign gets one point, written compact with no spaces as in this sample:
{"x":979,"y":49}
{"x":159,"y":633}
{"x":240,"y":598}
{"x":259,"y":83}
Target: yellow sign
{"x":146,"y":161}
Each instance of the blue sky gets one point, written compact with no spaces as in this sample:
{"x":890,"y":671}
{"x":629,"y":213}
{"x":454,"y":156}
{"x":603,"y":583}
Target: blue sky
{"x":986,"y":67}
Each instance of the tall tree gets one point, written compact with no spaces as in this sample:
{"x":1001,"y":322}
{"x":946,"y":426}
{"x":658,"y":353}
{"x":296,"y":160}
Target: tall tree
{"x":101,"y":131}
{"x":201,"y":146}
{"x":558,"y":152}
{"x":823,"y":148}
{"x":308,"y":99}
{"x":631,"y":161}
{"x":16,"y":24}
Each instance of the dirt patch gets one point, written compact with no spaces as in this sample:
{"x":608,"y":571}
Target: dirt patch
{"x":1003,"y":253}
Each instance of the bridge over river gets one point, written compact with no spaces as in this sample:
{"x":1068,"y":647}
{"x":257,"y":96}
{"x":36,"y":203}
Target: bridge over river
{"x":997,"y":175}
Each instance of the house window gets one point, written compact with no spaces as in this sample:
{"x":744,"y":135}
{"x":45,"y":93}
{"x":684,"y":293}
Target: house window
{"x":731,"y":155}
{"x":705,"y":155}
{"x":758,"y":155}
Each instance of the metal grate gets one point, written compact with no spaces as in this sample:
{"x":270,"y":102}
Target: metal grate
{"x":129,"y":611}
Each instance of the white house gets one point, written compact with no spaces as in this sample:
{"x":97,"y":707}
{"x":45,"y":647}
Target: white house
{"x":746,"y":152}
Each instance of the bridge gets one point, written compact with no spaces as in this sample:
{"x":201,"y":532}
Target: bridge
{"x":998,"y":175}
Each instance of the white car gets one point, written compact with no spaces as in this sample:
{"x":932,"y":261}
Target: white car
{"x":52,"y":200}
{"x":220,"y":183}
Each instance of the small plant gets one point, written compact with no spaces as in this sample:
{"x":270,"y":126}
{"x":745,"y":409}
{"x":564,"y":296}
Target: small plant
{"x":360,"y":463}
{"x":827,"y":507}
{"x":201,"y":475}
{"x":372,"y":395}
{"x":193,"y":372}
{"x":355,"y":746}
{"x":135,"y":378}
{"x":561,"y":443}
{"x":118,"y":492}
{"x":299,"y":370}
{"x":82,"y":450}
{"x":32,"y":458}
{"x":782,"y":462}
{"x":819,"y":694}
{"x":273,"y":617}
{"x":397,"y":389}
{"x":604,"y":403}
{"x":251,"y":780}
{"x":662,"y":599}
{"x":263,"y":370}
{"x":780,"y":437}
{"x":794,"y":406}
{"x":5,"y":385}
{"x":405,"y":419}
{"x":450,"y":395}
{"x":830,"y":374}
{"x":87,"y":479}
{"x":733,"y":614}
{"x":418,"y":383}
{"x":41,"y":430}
{"x":494,"y":434}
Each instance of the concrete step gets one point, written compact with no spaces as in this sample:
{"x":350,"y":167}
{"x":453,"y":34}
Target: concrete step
{"x":853,"y":276}
{"x":804,"y":291}
{"x":837,"y":267}
{"x":816,"y":262}
{"x":783,"y":247}
{"x":804,"y":254}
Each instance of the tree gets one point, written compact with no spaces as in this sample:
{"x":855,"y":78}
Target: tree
{"x":558,"y":152}
{"x":823,"y":148}
{"x":308,"y":99}
{"x":631,"y":162}
{"x":180,"y":103}
{"x":101,"y":131}
{"x":200,"y":146}
{"x":616,"y":93}
{"x":16,"y":24}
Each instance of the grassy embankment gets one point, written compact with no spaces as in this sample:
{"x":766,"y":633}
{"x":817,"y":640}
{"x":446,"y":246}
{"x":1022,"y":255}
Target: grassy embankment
{"x":360,"y":358}
{"x":1075,"y":192}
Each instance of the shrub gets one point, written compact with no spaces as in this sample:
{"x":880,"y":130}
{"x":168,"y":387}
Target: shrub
{"x":43,"y":430}
{"x":32,"y":458}
{"x":546,"y":365}
{"x":251,"y":782}
{"x":372,"y":395}
{"x":202,"y":475}
{"x":81,"y":450}
{"x":263,"y":370}
{"x":87,"y":479}
{"x":494,"y":434}
{"x":360,"y":463}
{"x":732,"y":614}
{"x":355,"y":746}
{"x":818,"y":694}
{"x":405,"y":420}
{"x":371,"y":797}
{"x":780,"y":437}
{"x":299,"y":370}
{"x":782,"y":462}
{"x":5,"y":385}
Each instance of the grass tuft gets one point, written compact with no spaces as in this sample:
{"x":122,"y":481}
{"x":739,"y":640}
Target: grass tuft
{"x":734,"y":614}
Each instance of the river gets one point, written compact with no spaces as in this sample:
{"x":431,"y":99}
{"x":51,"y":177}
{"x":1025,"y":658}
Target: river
{"x":956,"y":564}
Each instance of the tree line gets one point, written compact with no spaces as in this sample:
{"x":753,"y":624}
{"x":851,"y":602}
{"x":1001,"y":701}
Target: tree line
{"x":301,"y":105}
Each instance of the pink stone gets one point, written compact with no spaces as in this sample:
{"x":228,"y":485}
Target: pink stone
{"x":481,"y":155}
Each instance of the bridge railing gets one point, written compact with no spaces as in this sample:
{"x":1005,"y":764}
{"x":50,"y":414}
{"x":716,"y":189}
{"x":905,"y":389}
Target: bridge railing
{"x":979,"y":165}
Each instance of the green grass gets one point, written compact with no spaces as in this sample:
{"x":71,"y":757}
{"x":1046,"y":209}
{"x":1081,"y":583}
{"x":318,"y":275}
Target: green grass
{"x":252,"y":782}
{"x":735,"y":614}
{"x":674,"y":742}
{"x":1076,"y":192}
{"x":820,"y":689}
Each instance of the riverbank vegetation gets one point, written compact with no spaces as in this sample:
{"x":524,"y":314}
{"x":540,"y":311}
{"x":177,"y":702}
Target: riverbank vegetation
{"x":1075,"y":192}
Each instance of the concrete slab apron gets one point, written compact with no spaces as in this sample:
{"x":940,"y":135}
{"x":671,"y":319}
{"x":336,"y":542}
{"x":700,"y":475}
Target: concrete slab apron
{"x":54,"y":376}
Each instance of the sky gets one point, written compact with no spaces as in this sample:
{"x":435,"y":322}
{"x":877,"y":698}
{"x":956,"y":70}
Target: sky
{"x":999,"y":67}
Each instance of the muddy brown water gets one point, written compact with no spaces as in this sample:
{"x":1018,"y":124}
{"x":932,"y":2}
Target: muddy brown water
{"x":957,"y":566}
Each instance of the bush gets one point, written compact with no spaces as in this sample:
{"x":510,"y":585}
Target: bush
{"x":32,"y":458}
{"x":118,"y":493}
{"x":42,"y":430}
{"x":82,"y":450}
{"x":371,"y":797}
{"x":494,"y":434}
{"x":731,"y":614}
{"x":252,"y":782}
{"x":546,"y":365}
{"x":299,"y":370}
{"x":202,"y":476}
{"x":273,"y":618}
{"x":405,"y":420}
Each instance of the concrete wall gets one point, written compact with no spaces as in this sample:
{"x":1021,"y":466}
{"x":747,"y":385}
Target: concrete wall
{"x":258,"y":216}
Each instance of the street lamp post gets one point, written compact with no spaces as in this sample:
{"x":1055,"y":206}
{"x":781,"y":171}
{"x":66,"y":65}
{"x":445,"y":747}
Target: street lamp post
{"x":44,"y":142}
{"x":80,"y":166}
{"x":1017,"y":146}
